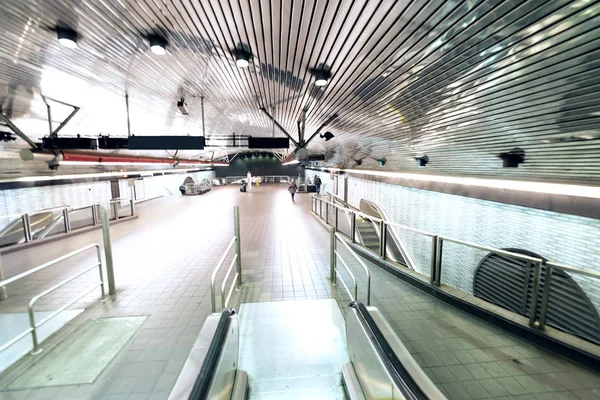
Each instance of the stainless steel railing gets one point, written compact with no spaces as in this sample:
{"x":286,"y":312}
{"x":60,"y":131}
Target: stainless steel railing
{"x":237,"y":261}
{"x":536,"y":314}
{"x":33,"y":325}
{"x":335,"y":236}
{"x":46,"y":225}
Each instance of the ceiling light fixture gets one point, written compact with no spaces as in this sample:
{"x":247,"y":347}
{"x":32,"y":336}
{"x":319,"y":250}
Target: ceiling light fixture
{"x":322,"y":75}
{"x":327,"y":136}
{"x":242,"y":55}
{"x":158,"y":44}
{"x":67,"y":37}
{"x":513,"y":158}
{"x":422,"y":161}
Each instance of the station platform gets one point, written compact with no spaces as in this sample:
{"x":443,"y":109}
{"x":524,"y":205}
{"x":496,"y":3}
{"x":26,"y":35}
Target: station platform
{"x":163,"y":261}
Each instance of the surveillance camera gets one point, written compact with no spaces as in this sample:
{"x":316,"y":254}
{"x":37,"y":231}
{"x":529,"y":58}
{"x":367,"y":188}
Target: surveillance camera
{"x":183,"y":107}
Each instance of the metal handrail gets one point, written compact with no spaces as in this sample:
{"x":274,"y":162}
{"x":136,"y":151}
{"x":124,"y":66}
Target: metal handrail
{"x":46,"y":265}
{"x":213,"y":276}
{"x":492,"y":249}
{"x":225,"y":301}
{"x":341,"y":238}
{"x":437,"y":251}
{"x":237,"y":261}
{"x":32,"y":324}
{"x":353,"y":298}
{"x":550,"y":266}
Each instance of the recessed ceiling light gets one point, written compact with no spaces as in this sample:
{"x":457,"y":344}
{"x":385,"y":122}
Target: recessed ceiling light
{"x":158,"y":45}
{"x":67,"y":37}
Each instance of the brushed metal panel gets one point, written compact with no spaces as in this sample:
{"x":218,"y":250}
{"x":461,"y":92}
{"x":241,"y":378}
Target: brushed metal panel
{"x":460,"y":81}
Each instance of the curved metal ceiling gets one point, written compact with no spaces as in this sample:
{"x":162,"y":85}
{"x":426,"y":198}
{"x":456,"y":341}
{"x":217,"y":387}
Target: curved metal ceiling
{"x":458,"y":81}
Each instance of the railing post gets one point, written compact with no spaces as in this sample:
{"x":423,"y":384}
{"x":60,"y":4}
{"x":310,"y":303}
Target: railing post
{"x":327,"y":213}
{"x":534,"y":293}
{"x":94,"y":215}
{"x":65,"y":213}
{"x":545,"y":297}
{"x":26,"y":227}
{"x":321,"y":208}
{"x":434,"y":242}
{"x":36,"y":346}
{"x":238,"y":245}
{"x":132,"y":207}
{"x":438,"y":262}
{"x":116,"y":209}
{"x":333,"y":257}
{"x":336,"y":217}
{"x":382,"y":239}
{"x":110,"y":274}
{"x":353,"y":227}
{"x":99,"y":256}
{"x":3,"y":293}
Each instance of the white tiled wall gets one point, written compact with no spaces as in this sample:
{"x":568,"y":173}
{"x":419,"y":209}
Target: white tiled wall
{"x":18,"y":201}
{"x":568,"y":239}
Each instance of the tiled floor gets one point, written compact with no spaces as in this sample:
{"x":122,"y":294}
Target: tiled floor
{"x":162,"y":265}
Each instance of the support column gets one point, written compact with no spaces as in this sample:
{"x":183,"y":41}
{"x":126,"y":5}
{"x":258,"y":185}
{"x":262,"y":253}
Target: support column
{"x":110,"y":274}
{"x":238,"y":243}
{"x":3,"y":293}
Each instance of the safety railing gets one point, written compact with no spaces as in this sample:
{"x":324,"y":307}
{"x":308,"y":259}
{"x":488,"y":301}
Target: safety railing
{"x":33,"y":325}
{"x":538,"y":309}
{"x":37,"y":225}
{"x":236,"y":261}
{"x":536,"y":264}
{"x":334,"y":270}
{"x":548,"y":279}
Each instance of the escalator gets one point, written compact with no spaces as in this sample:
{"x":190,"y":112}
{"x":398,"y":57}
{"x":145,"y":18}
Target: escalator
{"x":368,"y":232}
{"x":301,"y":349}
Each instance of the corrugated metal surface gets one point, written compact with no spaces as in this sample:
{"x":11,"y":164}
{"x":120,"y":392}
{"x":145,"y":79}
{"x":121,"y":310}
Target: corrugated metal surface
{"x":508,"y":283}
{"x":460,"y":81}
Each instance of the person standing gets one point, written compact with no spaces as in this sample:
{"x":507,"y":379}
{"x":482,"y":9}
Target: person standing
{"x":318,"y":184}
{"x":293,"y":188}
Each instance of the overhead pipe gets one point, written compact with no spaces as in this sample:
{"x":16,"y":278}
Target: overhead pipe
{"x":65,"y":157}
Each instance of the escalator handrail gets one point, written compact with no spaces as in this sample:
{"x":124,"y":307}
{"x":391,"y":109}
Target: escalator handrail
{"x":383,"y":215}
{"x":201,"y":388}
{"x":396,"y":370}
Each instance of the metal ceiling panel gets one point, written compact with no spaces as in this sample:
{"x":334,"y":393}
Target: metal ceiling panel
{"x":460,"y":81}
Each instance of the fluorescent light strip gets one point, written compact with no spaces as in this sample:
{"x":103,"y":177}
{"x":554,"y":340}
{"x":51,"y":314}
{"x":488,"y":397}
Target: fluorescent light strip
{"x":524,"y":186}
{"x":96,"y":175}
{"x":291,"y":162}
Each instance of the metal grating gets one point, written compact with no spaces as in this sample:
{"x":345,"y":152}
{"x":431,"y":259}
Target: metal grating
{"x":461,"y":81}
{"x":508,"y":283}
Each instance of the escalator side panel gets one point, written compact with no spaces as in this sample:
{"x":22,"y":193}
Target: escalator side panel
{"x":224,"y":372}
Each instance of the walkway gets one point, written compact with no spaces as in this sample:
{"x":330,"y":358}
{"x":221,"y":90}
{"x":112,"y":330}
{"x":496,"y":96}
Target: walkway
{"x":163,"y":262}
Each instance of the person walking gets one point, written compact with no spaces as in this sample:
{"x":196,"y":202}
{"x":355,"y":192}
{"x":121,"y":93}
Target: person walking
{"x":318,"y":184}
{"x":293,"y":188}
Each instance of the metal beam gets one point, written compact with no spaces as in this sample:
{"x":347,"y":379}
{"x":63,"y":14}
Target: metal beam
{"x":62,"y":124}
{"x":280,"y":127}
{"x":18,"y":132}
{"x":127,"y":108}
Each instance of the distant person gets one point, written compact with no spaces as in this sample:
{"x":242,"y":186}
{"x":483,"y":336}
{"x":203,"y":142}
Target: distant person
{"x":318,"y":184}
{"x":293,"y":188}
